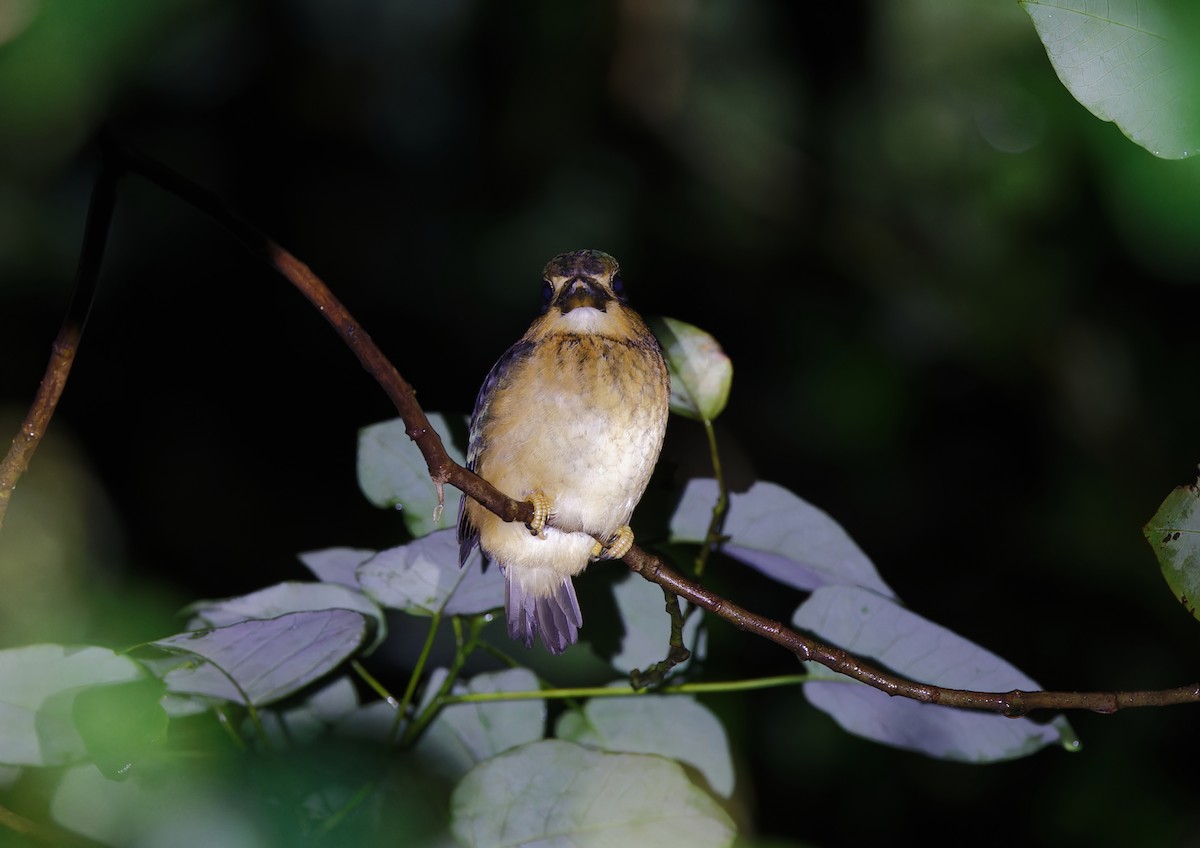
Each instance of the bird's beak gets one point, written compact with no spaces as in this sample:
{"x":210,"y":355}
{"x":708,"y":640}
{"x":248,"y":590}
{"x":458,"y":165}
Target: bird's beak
{"x":581,"y":291}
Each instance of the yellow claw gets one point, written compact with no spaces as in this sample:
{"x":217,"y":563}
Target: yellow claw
{"x":617,"y":546}
{"x":541,"y":512}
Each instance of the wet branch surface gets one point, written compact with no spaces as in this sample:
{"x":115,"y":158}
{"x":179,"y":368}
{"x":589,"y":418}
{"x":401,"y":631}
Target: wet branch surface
{"x":442,"y":469}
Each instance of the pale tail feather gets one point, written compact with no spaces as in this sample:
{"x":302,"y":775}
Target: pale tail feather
{"x":555,"y":617}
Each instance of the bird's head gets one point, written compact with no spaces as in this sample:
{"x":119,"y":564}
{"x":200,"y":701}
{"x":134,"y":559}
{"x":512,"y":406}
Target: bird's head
{"x":582,"y":293}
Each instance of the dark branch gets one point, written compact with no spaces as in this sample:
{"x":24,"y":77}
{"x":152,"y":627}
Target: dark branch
{"x":1014,"y":703}
{"x":677,"y":652}
{"x":443,"y":470}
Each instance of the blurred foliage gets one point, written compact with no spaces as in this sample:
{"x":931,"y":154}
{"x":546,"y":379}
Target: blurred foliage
{"x":961,"y":311}
{"x":63,"y":64}
{"x":1132,"y":62}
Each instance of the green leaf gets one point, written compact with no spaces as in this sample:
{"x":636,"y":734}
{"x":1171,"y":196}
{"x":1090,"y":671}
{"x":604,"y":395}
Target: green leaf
{"x":779,"y":534}
{"x":466,"y":734}
{"x":868,"y":625}
{"x":283,"y":598}
{"x":38,"y":685}
{"x":424,"y":576}
{"x":701,"y":373}
{"x":182,"y":807}
{"x":677,"y":727}
{"x":258,"y":662}
{"x":557,"y":793}
{"x":393,"y":475}
{"x":121,"y":723}
{"x":1174,"y":533}
{"x":1132,"y":62}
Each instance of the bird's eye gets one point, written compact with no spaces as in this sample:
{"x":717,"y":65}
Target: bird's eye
{"x":547,"y":294}
{"x":618,"y":287}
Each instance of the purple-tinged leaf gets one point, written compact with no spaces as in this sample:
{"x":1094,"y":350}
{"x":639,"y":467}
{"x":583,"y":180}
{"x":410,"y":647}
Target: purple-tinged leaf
{"x":258,"y":662}
{"x":779,"y":534}
{"x":336,"y":565}
{"x":868,"y":625}
{"x":423,"y":577}
{"x":283,"y":598}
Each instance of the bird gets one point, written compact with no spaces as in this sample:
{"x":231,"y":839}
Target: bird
{"x":571,"y":419}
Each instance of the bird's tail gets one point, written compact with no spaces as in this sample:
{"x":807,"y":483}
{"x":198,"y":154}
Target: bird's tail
{"x":555,"y":617}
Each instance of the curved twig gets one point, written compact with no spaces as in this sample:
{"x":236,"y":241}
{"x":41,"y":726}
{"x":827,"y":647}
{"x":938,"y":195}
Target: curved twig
{"x":442,"y":469}
{"x":62,"y":351}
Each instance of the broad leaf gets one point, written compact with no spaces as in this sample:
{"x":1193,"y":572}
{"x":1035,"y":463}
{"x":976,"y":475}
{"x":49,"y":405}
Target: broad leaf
{"x":258,"y":662}
{"x":121,"y":723}
{"x":868,"y":625}
{"x":320,"y":713}
{"x":392,"y":474}
{"x":779,"y":534}
{"x":283,"y":598}
{"x":466,"y":734}
{"x":373,"y":722}
{"x":1174,"y":533}
{"x":38,"y":686}
{"x":181,"y":808}
{"x":673,"y":726}
{"x":556,"y":793}
{"x":701,"y":373}
{"x":642,"y":607}
{"x":424,"y":576}
{"x":1133,"y":62}
{"x":336,"y":565}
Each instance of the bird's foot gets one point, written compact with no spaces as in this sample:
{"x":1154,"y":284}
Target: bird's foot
{"x":617,"y":546}
{"x":541,"y":512}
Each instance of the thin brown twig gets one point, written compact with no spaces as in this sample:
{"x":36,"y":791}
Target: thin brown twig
{"x":442,"y":469}
{"x":62,"y":351}
{"x":1013,"y":703}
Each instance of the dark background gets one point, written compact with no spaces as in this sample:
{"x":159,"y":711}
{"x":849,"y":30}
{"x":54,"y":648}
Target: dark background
{"x":961,"y":312}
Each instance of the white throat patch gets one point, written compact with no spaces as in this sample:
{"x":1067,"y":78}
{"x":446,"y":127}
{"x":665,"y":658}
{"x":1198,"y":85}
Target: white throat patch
{"x":584,"y":319}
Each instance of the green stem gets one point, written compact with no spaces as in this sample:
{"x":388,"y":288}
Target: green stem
{"x":713,"y":537}
{"x":511,"y":662}
{"x":375,"y":685}
{"x":466,"y":645}
{"x":225,"y":724}
{"x":350,"y":806}
{"x":489,"y":648}
{"x":629,"y":691}
{"x":259,"y":727}
{"x":411,"y":689}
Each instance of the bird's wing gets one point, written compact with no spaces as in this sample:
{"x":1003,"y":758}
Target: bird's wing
{"x":468,"y":534}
